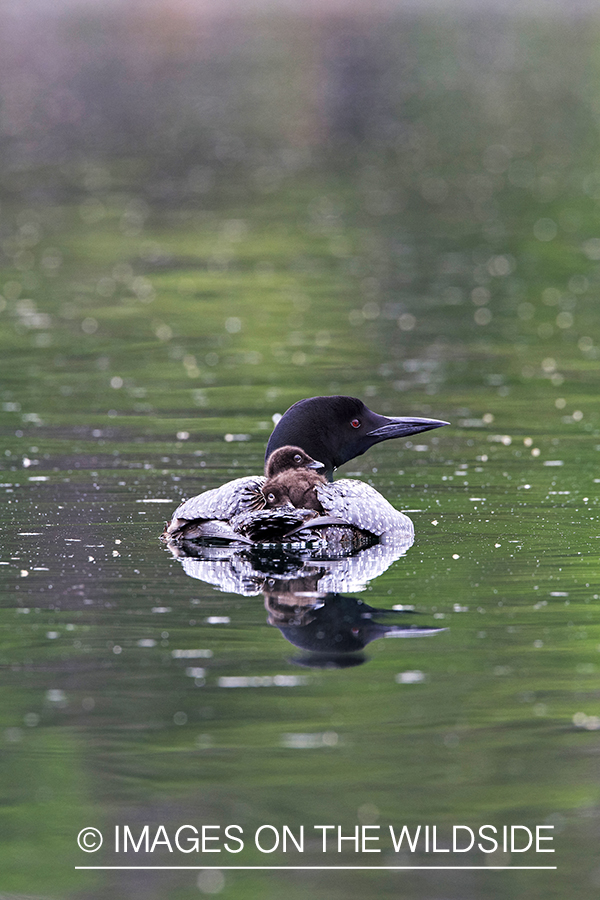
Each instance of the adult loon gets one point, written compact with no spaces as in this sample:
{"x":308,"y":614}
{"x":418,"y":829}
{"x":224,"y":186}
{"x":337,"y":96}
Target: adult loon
{"x":332,"y":430}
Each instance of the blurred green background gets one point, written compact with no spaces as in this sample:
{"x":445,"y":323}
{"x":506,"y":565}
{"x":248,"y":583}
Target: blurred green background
{"x":205,"y":215}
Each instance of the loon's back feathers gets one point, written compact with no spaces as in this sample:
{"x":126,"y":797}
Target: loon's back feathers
{"x":229,"y":513}
{"x":330,"y":430}
{"x":360,"y":505}
{"x":223,"y":502}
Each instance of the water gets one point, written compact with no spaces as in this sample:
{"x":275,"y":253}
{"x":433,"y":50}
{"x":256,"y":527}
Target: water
{"x":432,"y":250}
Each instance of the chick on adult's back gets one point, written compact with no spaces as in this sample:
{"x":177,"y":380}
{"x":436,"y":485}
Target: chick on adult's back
{"x":291,"y":479}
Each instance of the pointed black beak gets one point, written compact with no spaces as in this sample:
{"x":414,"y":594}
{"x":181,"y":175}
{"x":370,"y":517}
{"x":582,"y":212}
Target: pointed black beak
{"x":403,"y":426}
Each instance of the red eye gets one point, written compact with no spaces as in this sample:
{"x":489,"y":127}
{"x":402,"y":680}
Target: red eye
{"x":355,"y":423}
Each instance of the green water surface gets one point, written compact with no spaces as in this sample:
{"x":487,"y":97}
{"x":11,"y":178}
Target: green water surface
{"x":448,"y":268}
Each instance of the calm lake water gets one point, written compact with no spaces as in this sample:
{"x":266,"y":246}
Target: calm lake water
{"x":399,"y":209}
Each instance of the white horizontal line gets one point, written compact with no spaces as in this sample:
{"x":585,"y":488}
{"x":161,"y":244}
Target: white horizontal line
{"x":322,"y":868}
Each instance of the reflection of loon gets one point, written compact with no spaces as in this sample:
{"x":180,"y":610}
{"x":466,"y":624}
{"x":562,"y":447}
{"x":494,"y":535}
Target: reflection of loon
{"x":248,"y":570}
{"x":333,"y":628}
{"x":332,"y":430}
{"x":303,"y":596}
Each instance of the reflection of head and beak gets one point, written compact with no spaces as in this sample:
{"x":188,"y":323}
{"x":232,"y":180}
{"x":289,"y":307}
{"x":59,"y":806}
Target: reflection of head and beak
{"x":333,"y":628}
{"x":307,"y":598}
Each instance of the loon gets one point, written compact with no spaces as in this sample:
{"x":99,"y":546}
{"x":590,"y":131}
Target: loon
{"x":292,"y":479}
{"x":350,"y":513}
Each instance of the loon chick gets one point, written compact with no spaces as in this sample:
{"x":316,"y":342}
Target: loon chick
{"x":291,"y":479}
{"x":333,"y":430}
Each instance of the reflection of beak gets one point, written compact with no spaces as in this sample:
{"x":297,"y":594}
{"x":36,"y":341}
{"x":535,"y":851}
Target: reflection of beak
{"x":315,"y":465}
{"x":393,"y":631}
{"x":403,"y":426}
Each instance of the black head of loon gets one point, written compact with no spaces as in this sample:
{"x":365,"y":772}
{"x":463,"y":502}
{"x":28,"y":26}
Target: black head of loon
{"x":291,"y":479}
{"x":337,"y":429}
